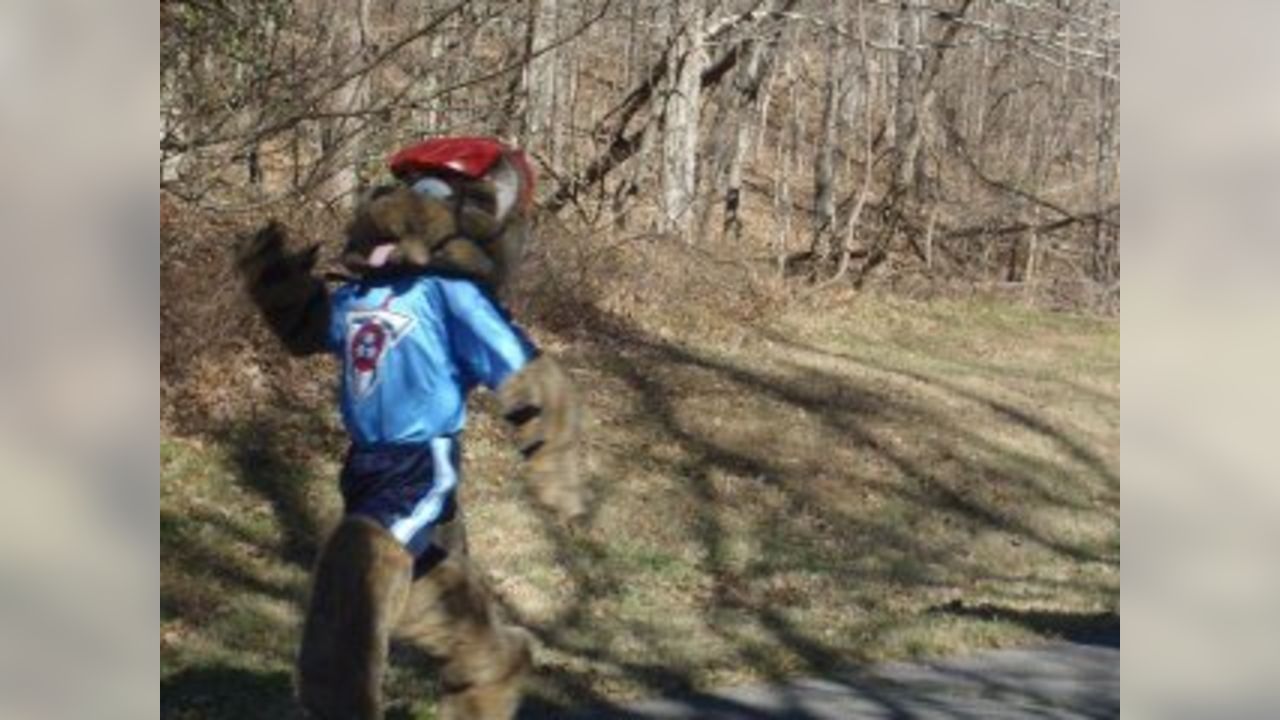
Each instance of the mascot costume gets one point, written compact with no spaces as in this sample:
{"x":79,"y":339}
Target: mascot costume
{"x":416,"y":324}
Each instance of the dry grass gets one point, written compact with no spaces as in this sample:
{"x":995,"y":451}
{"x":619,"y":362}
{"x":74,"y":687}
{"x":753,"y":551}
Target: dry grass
{"x":779,"y":493}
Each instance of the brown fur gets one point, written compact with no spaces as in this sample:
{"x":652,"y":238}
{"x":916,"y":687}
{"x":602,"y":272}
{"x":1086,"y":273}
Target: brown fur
{"x":507,"y":250}
{"x":364,"y":592}
{"x":498,"y":696}
{"x":360,"y":588}
{"x":462,"y":256}
{"x":540,"y":402}
{"x":451,"y":535}
{"x":417,"y":225}
{"x":294,"y":303}
{"x":502,"y":239}
{"x":450,"y":616}
{"x":459,"y":236}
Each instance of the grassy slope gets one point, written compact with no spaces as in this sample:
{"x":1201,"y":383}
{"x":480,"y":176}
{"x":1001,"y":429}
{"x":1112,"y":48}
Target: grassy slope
{"x":886,"y":480}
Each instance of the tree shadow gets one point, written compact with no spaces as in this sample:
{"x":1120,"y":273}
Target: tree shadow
{"x":1101,"y":628}
{"x":654,"y":372}
{"x":269,"y":451}
{"x":220,"y":692}
{"x":644,"y":363}
{"x":1026,"y":419}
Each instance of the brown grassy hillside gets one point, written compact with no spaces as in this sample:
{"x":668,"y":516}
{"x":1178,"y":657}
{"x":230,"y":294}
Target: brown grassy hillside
{"x":782,"y":485}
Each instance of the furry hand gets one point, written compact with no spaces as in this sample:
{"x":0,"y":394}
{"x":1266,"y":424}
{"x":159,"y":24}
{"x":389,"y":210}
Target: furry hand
{"x":265,"y":266}
{"x":293,"y":301}
{"x":540,"y":403}
{"x":557,"y":482}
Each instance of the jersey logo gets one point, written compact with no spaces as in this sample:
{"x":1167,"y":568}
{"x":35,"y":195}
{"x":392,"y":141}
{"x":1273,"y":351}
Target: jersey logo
{"x":370,"y":334}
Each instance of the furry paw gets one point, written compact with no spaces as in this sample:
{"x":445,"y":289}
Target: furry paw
{"x":541,"y":405}
{"x":263,"y":262}
{"x":556,"y":482}
{"x":292,"y":301}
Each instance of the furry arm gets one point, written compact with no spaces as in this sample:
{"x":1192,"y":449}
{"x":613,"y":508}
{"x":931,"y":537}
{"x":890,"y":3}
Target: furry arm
{"x":539,"y":401}
{"x":294,"y":302}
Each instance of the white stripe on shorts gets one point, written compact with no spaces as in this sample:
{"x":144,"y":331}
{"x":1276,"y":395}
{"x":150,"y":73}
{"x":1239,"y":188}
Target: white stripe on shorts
{"x":428,"y":509}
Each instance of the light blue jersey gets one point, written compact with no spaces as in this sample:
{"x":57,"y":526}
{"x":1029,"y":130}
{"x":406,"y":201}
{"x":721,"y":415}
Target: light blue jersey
{"x":412,"y":348}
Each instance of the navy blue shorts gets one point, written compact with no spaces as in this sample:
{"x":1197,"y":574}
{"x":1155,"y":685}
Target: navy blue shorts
{"x":408,"y":489}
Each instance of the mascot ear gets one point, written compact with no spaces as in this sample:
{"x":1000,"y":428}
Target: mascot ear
{"x":506,"y":182}
{"x":487,"y":204}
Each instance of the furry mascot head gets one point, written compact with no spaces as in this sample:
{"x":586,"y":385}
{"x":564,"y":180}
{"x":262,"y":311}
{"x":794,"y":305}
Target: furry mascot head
{"x":462,"y":207}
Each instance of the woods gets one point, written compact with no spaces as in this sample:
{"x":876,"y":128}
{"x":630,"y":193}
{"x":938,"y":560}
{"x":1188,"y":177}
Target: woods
{"x":937,"y":143}
{"x":835,"y":285}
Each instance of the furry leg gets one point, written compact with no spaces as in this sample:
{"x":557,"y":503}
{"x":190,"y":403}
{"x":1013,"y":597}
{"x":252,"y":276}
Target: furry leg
{"x":451,"y":535}
{"x":450,"y":616}
{"x":361,"y":583}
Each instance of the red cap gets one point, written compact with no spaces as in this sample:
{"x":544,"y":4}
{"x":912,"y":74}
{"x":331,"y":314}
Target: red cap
{"x":470,"y":156}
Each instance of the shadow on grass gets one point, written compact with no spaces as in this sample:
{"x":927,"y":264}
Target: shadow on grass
{"x":226,"y":693}
{"x":1100,"y":628}
{"x":656,"y":373}
{"x":270,"y":462}
{"x":647,"y":366}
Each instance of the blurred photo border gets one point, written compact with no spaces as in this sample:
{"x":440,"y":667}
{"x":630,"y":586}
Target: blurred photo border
{"x":1200,"y":339}
{"x":79,"y":400}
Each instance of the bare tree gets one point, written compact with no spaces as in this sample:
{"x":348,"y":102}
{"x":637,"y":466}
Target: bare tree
{"x":681,"y":108}
{"x":824,"y":199}
{"x":541,"y":81}
{"x":964,"y":140}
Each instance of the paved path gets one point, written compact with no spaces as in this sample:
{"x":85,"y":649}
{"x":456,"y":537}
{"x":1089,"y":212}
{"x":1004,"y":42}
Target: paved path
{"x":1059,"y":680}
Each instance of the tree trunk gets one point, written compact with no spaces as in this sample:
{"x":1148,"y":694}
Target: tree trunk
{"x":892,"y":67}
{"x":907,"y":131}
{"x":753,"y":74}
{"x":824,"y":197}
{"x":567,"y":99}
{"x":540,"y":79}
{"x":340,"y":138}
{"x":1102,"y":262}
{"x":680,"y":134}
{"x":788,"y":149}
